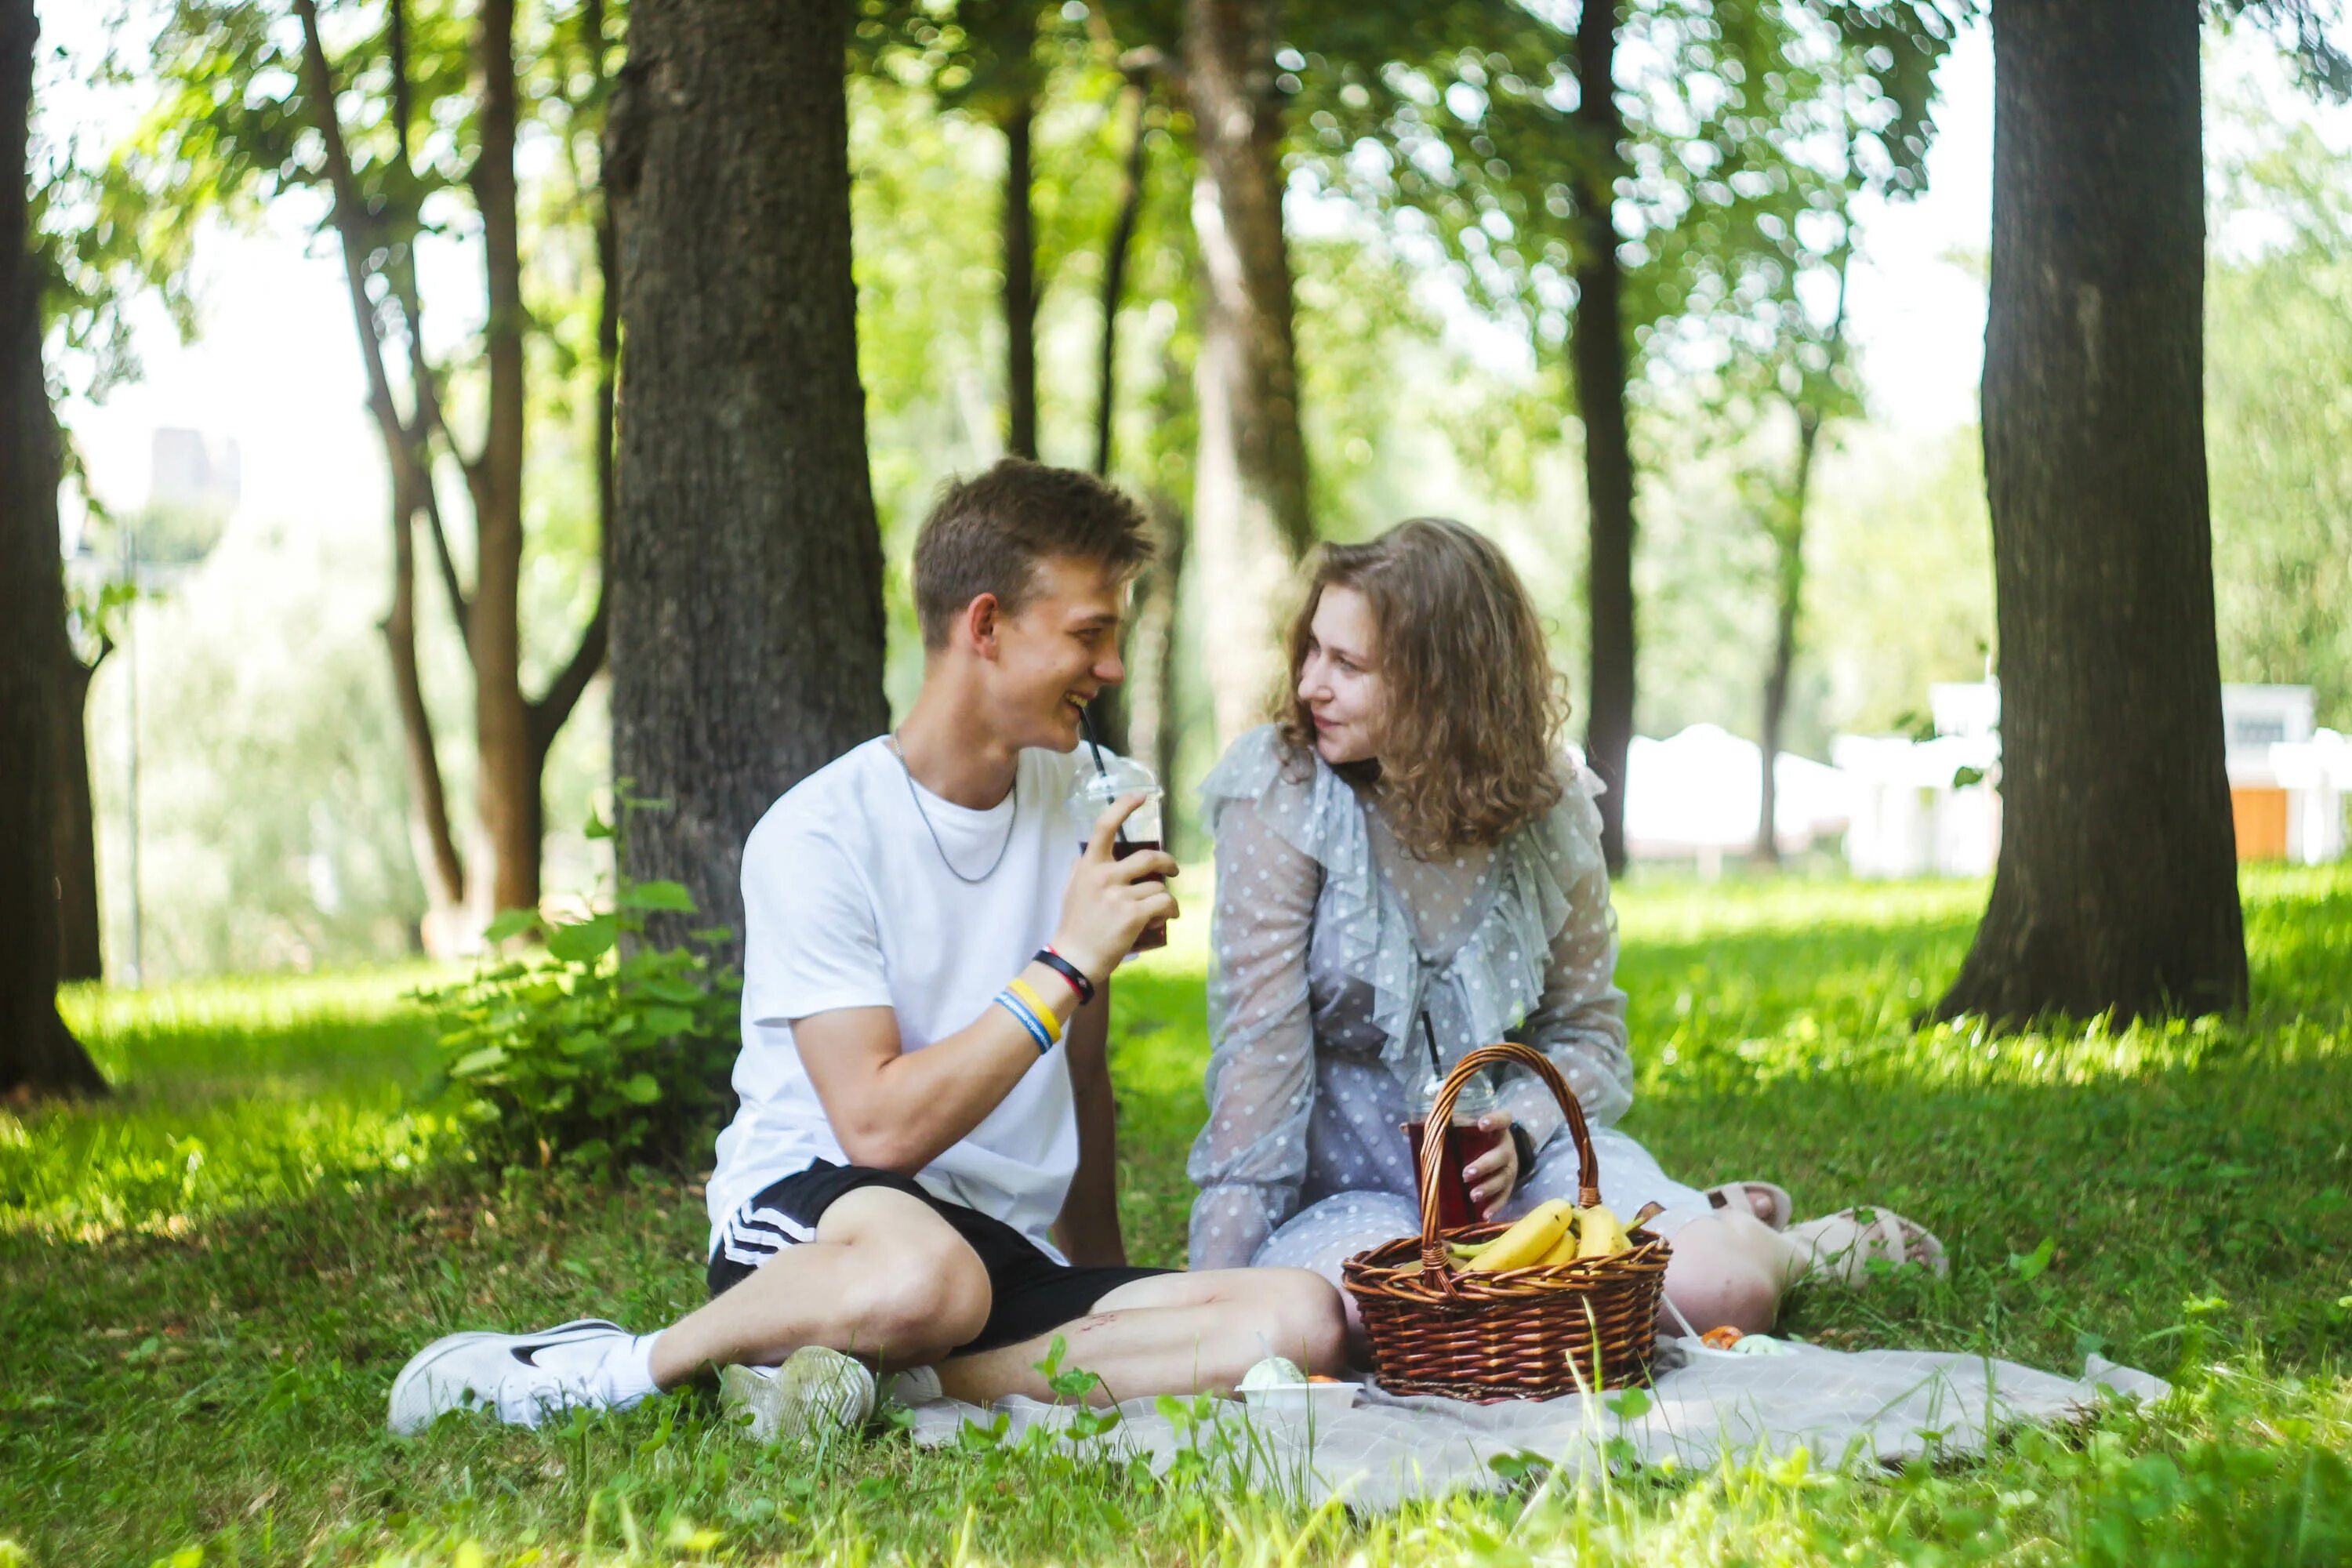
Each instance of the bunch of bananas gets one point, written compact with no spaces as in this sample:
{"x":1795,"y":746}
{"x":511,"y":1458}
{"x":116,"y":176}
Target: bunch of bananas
{"x":1550,"y":1235}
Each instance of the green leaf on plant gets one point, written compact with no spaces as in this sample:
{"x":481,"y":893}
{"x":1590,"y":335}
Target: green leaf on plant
{"x":2028,"y":1265}
{"x":1629,"y":1405}
{"x":639,"y":1089}
{"x":509,"y":924}
{"x":473,"y":1064}
{"x":584,"y":943}
{"x":664,"y":1022}
{"x":658,"y":895}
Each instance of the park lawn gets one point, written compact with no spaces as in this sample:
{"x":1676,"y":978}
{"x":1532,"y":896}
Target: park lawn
{"x":207,"y":1284}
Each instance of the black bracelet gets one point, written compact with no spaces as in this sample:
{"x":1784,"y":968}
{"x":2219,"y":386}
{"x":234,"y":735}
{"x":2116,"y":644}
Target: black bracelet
{"x":1067,"y":971}
{"x":1524,"y":1141}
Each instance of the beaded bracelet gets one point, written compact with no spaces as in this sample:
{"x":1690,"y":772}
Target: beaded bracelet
{"x":1028,"y":1020}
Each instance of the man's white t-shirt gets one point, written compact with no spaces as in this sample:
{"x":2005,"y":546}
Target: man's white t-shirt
{"x":847,"y":903}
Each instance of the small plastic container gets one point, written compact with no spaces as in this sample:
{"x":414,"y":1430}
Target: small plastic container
{"x":1317,"y":1400}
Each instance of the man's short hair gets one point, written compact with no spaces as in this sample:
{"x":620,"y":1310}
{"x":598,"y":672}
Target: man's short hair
{"x":988,"y":533}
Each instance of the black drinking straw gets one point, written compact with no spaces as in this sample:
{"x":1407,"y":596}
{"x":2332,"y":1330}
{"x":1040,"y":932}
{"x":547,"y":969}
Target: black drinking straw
{"x":1428,"y":1032}
{"x":1085,"y":728}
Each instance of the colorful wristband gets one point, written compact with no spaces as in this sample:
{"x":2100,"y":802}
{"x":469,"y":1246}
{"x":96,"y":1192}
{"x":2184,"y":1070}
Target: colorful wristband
{"x":1045,"y":1015}
{"x":1020,"y":1010}
{"x":1067,"y":971}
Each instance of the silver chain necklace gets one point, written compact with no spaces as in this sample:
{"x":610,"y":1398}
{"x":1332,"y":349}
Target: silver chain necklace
{"x":916,"y":797}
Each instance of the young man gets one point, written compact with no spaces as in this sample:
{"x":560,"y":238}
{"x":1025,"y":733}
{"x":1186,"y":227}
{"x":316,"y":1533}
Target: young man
{"x":928,"y":960}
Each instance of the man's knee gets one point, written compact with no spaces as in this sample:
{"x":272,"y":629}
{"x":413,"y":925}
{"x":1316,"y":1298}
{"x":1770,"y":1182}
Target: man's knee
{"x":1309,"y":1321}
{"x":919,"y":1299}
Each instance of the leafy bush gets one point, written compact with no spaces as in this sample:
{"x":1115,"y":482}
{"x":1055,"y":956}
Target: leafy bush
{"x":580,"y":1052}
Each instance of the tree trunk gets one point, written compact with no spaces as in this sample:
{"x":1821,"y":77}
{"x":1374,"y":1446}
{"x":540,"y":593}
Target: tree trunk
{"x":75,"y":848}
{"x":37,"y":1053}
{"x":1597,"y":356}
{"x":1108,"y":711}
{"x":1136,"y":98}
{"x":1020,"y":234}
{"x":2116,"y":886}
{"x":446,"y":928}
{"x":1788,"y":595}
{"x":507,"y":778}
{"x":1250,"y":507}
{"x":747,"y":618}
{"x":1153,"y":731}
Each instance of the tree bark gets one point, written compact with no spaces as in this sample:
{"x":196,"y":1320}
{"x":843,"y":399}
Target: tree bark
{"x":81,"y":955}
{"x":1153,"y":732}
{"x":1250,"y":511}
{"x":746,"y":619}
{"x":1108,"y":711}
{"x":1019,"y":232}
{"x":1135,"y":100}
{"x":506,"y":775}
{"x":1598,"y":360}
{"x":1787,"y":595}
{"x":443,"y":929}
{"x":2116,"y":886}
{"x":37,"y":1053}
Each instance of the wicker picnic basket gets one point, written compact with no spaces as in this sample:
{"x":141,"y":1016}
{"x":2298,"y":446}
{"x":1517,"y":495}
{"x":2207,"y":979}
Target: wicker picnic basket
{"x":1521,"y":1333}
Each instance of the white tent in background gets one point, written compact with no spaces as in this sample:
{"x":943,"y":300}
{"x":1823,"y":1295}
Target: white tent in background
{"x":1695,"y":797}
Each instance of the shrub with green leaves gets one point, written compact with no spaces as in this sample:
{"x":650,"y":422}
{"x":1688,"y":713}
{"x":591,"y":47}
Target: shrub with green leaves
{"x":592,"y":1048}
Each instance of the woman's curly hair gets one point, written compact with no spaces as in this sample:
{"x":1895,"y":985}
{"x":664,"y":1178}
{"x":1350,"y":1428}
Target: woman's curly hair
{"x":1473,"y":714}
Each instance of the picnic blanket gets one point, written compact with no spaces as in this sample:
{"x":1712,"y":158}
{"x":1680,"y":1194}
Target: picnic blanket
{"x":1849,"y":1408}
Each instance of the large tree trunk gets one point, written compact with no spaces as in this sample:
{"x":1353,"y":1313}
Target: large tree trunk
{"x":507,"y":777}
{"x":746,"y":619}
{"x":75,"y":848}
{"x":1019,"y":232}
{"x":2116,"y":886}
{"x":1788,"y":598}
{"x":1250,"y":510}
{"x":1597,"y":358}
{"x":38,"y":1052}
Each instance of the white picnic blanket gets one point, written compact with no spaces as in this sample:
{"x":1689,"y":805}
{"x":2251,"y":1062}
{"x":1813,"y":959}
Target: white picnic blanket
{"x":1845,"y":1409}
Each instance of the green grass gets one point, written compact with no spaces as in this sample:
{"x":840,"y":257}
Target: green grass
{"x":207,"y":1283}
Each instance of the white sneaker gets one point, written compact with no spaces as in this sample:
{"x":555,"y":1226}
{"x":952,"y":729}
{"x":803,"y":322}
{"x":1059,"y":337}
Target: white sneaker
{"x":520,"y":1378}
{"x":816,"y":1393}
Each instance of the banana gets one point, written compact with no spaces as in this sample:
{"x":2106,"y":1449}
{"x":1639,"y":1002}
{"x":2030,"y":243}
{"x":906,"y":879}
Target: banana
{"x":1527,"y":1242}
{"x":1564,"y":1250}
{"x":1600,"y":1233}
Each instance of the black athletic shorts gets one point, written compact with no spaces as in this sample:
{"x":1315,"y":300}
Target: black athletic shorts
{"x":1029,"y":1293}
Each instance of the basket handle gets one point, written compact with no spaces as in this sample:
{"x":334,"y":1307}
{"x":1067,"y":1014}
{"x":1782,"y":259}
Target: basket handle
{"x":1441,"y":1117}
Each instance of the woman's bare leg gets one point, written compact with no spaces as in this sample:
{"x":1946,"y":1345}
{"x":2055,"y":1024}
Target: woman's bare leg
{"x":1730,"y":1267}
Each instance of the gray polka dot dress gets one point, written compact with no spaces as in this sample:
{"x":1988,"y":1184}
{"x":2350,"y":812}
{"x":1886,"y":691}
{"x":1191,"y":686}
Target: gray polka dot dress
{"x":1329,"y":939}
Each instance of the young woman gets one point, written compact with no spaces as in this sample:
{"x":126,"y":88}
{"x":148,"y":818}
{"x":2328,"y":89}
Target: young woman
{"x":1409,"y":853}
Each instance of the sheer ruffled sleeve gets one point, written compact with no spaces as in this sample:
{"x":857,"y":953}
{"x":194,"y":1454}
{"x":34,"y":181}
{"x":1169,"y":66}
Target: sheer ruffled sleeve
{"x":1579,"y":1020}
{"x":1251,"y":1157}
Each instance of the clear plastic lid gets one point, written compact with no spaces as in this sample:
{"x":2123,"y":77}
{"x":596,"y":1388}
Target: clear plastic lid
{"x":1116,"y":778}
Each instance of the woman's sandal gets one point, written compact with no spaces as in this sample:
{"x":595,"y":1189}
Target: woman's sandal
{"x":1739,"y":1197}
{"x":1841,"y":1247}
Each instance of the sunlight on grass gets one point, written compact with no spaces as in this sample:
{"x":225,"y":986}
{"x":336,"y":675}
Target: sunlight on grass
{"x":209,"y":1280}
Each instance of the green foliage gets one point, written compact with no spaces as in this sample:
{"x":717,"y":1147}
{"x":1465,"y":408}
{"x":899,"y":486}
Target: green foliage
{"x":201,"y":1352}
{"x":596,"y":1049}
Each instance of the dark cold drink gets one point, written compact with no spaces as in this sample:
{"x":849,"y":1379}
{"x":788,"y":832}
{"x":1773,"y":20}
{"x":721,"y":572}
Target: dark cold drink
{"x":1156,"y":933}
{"x":1111,"y":780}
{"x":1466,"y":1143}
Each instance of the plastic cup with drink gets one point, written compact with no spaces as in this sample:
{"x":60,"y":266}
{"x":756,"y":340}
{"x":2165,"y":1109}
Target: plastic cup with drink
{"x":1111,"y":780}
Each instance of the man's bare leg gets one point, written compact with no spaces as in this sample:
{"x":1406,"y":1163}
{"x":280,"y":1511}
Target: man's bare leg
{"x":885,"y":1278}
{"x":1172,"y":1333}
